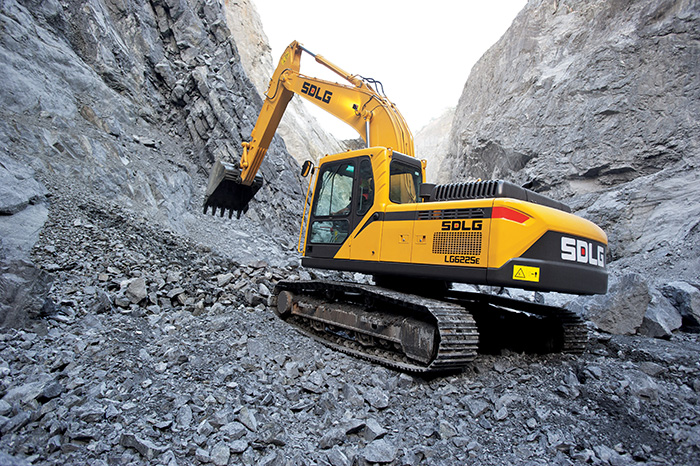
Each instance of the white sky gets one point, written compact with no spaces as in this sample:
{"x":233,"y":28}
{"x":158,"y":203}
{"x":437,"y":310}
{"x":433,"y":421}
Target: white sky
{"x":421,"y":50}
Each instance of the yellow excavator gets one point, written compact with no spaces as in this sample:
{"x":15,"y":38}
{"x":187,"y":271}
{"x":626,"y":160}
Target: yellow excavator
{"x":371,"y":211}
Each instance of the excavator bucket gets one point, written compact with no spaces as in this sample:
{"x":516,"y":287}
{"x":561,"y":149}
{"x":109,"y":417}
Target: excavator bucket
{"x":226,"y":192}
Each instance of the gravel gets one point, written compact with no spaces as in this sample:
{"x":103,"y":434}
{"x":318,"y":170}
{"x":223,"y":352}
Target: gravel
{"x":159,"y":351}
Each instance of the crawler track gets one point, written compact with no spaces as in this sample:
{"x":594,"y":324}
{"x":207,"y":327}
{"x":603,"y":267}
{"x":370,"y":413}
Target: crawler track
{"x":523,"y":326}
{"x":455,"y":346}
{"x":416,"y":334}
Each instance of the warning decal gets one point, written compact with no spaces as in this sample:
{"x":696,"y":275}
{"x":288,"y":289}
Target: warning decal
{"x":525,"y":273}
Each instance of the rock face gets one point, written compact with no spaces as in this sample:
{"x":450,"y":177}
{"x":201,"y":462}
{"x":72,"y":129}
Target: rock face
{"x":133,"y":101}
{"x":432,"y":143}
{"x":595,"y":103}
{"x":155,"y":343}
{"x":127,"y":102}
{"x":301,"y":132}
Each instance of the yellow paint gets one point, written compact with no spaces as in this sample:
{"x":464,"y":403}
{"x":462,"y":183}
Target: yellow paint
{"x":525,"y":273}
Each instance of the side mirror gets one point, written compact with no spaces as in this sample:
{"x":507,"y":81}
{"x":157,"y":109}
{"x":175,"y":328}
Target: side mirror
{"x":425,"y":191}
{"x":306,"y":168}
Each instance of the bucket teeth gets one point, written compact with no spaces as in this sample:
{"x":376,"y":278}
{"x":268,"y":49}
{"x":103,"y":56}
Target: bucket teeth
{"x":226,"y":192}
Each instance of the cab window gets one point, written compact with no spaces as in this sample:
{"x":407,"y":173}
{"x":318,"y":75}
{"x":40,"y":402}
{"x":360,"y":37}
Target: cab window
{"x":404,"y":180}
{"x":365,"y":197}
{"x":335,"y":194}
{"x":332,"y":209}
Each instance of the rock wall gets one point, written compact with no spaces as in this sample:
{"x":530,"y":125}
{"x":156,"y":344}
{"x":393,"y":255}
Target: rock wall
{"x":129,"y":103}
{"x":301,"y":132}
{"x":133,"y":101}
{"x":596,"y":103}
{"x":432,"y":144}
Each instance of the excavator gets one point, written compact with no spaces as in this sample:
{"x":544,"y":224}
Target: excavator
{"x":371,"y":211}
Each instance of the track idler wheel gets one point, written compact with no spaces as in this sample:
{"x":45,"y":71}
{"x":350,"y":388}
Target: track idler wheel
{"x":285,"y":301}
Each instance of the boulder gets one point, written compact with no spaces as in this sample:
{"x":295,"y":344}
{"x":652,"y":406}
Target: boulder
{"x":24,"y":291}
{"x":661,"y":318}
{"x":686,"y":298}
{"x":622,"y":310}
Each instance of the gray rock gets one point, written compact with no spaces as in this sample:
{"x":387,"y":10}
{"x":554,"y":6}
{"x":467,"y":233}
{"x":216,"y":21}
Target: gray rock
{"x":238,"y":446}
{"x":256,"y":349}
{"x":5,"y":408}
{"x":16,"y":422}
{"x":373,"y":431}
{"x":377,"y":398}
{"x":622,"y":310}
{"x":446,"y":430}
{"x":379,"y":451}
{"x":270,"y":459}
{"x":136,"y":290}
{"x":661,"y":318}
{"x":336,"y":457}
{"x":247,"y":418}
{"x":224,"y":279}
{"x":686,"y":298}
{"x":234,"y":430}
{"x":477,"y":406}
{"x":24,"y":292}
{"x":501,"y":414}
{"x":405,"y":381}
{"x":184,"y":416}
{"x":9,"y":460}
{"x":103,"y":302}
{"x":253,"y":297}
{"x":27,"y":392}
{"x":205,"y":428}
{"x":644,"y":387}
{"x":220,"y":454}
{"x":146,"y":448}
{"x":651,"y":368}
{"x":331,"y":438}
{"x":202,"y":455}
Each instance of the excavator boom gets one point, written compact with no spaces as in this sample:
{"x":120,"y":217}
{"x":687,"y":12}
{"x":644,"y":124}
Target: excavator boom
{"x":231,"y":186}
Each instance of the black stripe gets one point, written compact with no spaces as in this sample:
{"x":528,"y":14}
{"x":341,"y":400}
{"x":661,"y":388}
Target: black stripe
{"x":433,"y":214}
{"x":375,"y":217}
{"x":475,"y":275}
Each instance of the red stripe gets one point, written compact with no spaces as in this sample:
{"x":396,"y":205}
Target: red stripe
{"x":509,"y":214}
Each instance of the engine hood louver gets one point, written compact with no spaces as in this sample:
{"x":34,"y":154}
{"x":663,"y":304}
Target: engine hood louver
{"x":490,"y":189}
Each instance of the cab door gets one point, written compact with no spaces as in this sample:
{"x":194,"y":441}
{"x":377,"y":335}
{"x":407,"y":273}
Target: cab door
{"x":366,"y":238}
{"x":334,"y":212}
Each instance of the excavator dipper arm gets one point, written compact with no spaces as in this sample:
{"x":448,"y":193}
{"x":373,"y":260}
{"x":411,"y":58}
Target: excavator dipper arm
{"x":371,"y":114}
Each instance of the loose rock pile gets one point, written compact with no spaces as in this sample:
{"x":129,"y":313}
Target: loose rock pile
{"x":153,"y":350}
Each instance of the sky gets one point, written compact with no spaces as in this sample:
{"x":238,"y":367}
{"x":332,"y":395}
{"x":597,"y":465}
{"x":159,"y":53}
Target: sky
{"x":421,"y":50}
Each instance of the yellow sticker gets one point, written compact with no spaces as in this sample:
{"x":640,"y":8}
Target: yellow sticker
{"x":525,"y":273}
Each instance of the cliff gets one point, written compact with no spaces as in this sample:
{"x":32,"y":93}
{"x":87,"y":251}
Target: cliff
{"x":302,"y":134}
{"x":596,"y":104}
{"x":127,"y":104}
{"x":432,"y":144}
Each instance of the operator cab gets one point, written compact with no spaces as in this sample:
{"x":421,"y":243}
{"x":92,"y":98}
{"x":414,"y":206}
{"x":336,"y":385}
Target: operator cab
{"x":345,"y":193}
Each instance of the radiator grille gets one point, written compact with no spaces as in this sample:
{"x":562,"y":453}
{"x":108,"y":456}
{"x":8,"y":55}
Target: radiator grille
{"x":454,"y":214}
{"x":466,"y":243}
